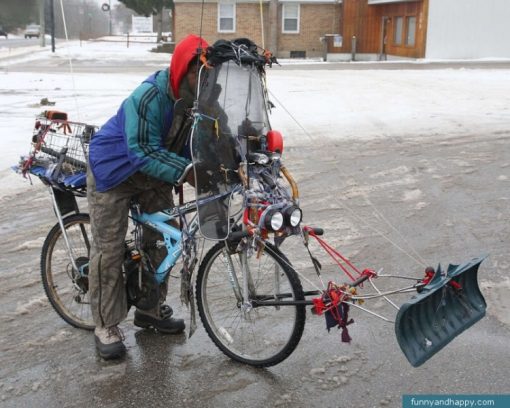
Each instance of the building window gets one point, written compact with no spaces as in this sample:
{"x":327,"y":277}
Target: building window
{"x":226,"y":18}
{"x":298,"y":54}
{"x":411,"y":31}
{"x":397,"y":30}
{"x":290,"y":17}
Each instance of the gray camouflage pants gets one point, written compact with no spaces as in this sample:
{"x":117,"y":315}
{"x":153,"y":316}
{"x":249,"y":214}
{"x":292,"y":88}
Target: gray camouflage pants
{"x":109,"y":223}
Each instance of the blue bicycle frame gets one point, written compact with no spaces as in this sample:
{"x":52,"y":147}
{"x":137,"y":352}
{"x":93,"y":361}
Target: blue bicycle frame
{"x":172,"y":236}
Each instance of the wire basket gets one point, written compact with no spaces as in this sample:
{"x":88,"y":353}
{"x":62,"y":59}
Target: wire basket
{"x":59,"y":151}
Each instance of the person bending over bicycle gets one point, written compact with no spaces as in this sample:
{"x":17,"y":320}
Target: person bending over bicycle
{"x":139,"y":153}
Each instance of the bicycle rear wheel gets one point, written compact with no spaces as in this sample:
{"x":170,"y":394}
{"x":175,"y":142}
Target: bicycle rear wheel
{"x":250,"y":332}
{"x":66,"y":288}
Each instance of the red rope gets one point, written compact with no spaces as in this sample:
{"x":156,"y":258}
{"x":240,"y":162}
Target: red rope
{"x":332,"y":253}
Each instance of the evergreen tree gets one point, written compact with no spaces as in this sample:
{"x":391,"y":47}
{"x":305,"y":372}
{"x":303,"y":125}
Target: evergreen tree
{"x":15,"y":14}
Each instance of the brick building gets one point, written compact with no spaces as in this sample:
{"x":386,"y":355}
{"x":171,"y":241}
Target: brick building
{"x":363,"y":29}
{"x":287,"y":28}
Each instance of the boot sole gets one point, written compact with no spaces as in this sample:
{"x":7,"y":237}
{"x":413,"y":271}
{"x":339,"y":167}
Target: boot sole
{"x":149,"y":325}
{"x":112,"y":355}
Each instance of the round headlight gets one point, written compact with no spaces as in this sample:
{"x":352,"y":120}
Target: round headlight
{"x":273,"y":220}
{"x":276,"y":221}
{"x":295,"y":217}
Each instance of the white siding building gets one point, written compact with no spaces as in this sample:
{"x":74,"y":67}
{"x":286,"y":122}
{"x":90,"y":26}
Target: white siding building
{"x":468,"y":29}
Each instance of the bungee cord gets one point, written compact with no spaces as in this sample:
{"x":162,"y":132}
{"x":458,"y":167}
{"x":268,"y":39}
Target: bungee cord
{"x":262,"y":24}
{"x":384,"y":296}
{"x":381,"y":234}
{"x":201,"y":19}
{"x":71,"y":69}
{"x":418,"y":259}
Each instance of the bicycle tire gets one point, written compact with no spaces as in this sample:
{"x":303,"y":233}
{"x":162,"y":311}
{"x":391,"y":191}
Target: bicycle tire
{"x":263,"y":336}
{"x":65,"y":289}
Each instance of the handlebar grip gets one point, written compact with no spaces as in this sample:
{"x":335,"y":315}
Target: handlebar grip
{"x":316,"y":230}
{"x":184,"y":174}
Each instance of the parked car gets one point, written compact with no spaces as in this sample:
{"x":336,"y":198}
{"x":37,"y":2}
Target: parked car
{"x":33,"y":30}
{"x":3,"y":33}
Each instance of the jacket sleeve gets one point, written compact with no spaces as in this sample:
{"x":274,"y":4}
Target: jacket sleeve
{"x":143,"y":128}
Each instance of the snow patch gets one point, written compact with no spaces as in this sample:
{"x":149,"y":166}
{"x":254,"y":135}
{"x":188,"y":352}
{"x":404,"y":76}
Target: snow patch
{"x":31,"y":305}
{"x":498,"y":301}
{"x":421,"y":205}
{"x":34,"y":244}
{"x":397,"y":171}
{"x":62,"y":335}
{"x":412,"y":195}
{"x":364,"y":190}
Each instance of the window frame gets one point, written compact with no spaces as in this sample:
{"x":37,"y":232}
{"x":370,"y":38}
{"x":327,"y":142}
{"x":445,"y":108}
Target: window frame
{"x":220,"y":17}
{"x":408,"y":19}
{"x":396,"y":19}
{"x":297,"y":18}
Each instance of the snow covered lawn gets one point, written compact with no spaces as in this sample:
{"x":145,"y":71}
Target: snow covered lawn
{"x":311,"y":105}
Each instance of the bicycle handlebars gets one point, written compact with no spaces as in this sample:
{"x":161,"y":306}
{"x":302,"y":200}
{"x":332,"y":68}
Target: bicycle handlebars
{"x":184,"y":175}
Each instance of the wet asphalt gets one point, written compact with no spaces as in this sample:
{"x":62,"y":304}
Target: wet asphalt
{"x":445,"y":198}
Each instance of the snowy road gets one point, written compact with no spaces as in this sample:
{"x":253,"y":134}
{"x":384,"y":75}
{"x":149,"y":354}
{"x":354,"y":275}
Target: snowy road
{"x":395,"y":166}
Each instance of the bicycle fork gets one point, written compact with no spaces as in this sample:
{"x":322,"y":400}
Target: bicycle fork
{"x":232,"y":277}
{"x":242,"y":293}
{"x":246,"y":293}
{"x":246,"y":305}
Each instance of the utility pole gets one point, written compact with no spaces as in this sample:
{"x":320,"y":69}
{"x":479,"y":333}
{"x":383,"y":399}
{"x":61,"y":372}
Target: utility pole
{"x":110,"y":22}
{"x":42,"y":23}
{"x":52,"y":17}
{"x":108,"y":7}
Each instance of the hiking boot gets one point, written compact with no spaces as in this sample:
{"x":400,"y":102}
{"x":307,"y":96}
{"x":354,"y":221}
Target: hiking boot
{"x":164,"y":322}
{"x":165,"y":311}
{"x":109,"y":342}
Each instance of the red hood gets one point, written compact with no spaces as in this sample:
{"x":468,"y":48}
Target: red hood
{"x":184,"y":52}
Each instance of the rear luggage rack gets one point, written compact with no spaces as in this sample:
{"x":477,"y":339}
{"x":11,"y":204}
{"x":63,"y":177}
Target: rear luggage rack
{"x":59,"y":152}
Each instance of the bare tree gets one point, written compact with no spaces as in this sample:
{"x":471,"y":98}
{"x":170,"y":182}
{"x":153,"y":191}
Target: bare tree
{"x":150,"y":7}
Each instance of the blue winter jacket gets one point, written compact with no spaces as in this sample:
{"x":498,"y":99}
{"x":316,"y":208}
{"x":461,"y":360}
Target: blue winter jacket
{"x":133,"y":140}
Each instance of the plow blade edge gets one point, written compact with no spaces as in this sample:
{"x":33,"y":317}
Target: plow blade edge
{"x":449,"y":304}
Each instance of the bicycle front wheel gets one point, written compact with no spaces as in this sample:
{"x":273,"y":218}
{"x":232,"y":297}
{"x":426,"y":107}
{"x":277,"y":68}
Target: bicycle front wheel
{"x":249,"y":331}
{"x":66,"y":287}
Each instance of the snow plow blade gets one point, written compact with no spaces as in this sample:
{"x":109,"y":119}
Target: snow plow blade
{"x":449,"y":304}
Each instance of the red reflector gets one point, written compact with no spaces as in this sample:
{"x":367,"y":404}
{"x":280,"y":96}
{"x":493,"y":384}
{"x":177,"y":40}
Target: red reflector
{"x":275,"y":141}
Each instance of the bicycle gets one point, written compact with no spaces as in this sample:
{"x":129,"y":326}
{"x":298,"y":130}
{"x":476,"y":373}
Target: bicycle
{"x":66,"y":285}
{"x":249,"y":297}
{"x":64,"y":259}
